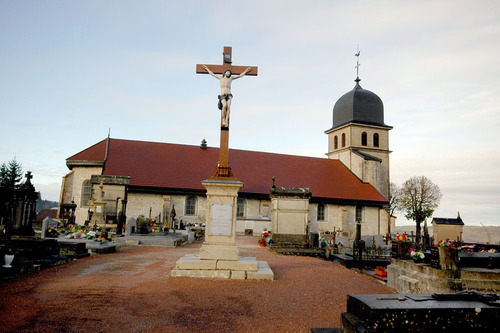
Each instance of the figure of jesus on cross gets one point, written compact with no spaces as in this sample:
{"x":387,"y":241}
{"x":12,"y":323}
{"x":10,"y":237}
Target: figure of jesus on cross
{"x":225,"y":96}
{"x":227,"y":70}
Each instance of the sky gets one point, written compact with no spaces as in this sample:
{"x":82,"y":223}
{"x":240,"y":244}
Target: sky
{"x":72,"y":71}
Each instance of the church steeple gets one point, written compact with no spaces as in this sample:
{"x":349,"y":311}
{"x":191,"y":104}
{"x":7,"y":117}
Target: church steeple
{"x":359,"y":136}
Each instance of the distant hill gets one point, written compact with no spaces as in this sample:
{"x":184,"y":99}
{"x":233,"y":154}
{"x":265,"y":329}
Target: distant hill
{"x":473,"y":234}
{"x":45,"y":204}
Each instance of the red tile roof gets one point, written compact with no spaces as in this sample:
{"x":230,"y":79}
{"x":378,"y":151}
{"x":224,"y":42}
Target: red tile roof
{"x":46,"y":212}
{"x":174,"y":166}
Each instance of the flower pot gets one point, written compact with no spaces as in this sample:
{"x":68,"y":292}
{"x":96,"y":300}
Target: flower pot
{"x":8,"y":258}
{"x":448,"y":258}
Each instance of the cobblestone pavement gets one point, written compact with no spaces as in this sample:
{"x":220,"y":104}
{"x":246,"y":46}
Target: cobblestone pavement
{"x":131,"y":291}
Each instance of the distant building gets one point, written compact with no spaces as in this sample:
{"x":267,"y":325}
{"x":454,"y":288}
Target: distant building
{"x":447,"y":228}
{"x":150,"y":178}
{"x":46,"y":212}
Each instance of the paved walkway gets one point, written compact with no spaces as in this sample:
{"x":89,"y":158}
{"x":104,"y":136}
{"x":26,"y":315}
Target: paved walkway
{"x":131,"y":291}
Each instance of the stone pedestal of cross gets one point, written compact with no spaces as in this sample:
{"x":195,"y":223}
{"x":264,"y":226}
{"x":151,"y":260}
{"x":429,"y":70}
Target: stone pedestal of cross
{"x":223,"y":170}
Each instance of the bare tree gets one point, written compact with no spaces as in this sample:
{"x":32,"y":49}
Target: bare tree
{"x":394,"y":194}
{"x":419,"y":197}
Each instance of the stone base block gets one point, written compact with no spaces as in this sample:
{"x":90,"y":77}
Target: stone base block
{"x":218,"y":252}
{"x":263,"y":273}
{"x":192,"y":261}
{"x":290,"y":240}
{"x":245,"y":268}
{"x":243,"y":264}
{"x":238,"y":275}
{"x":204,"y":273}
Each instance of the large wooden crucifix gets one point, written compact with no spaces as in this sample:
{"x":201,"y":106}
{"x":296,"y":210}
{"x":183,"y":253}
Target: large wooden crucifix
{"x":226,"y":70}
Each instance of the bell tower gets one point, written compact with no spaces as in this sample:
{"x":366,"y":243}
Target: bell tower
{"x":359,"y":138}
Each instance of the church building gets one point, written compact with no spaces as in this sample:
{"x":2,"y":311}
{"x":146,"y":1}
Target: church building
{"x":152,"y":179}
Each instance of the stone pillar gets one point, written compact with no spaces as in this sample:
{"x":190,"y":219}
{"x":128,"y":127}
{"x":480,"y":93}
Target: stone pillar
{"x":220,"y":231}
{"x":289,"y":216}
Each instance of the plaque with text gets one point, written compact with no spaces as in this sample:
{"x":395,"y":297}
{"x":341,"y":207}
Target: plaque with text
{"x":221,"y":219}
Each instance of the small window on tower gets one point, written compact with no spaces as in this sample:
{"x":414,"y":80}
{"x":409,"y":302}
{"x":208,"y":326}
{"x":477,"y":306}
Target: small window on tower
{"x":364,"y":139}
{"x":335,"y":142}
{"x":375,"y":140}
{"x":343,"y":139}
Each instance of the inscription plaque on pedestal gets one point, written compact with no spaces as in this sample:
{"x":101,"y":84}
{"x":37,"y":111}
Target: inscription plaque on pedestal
{"x":221,"y":219}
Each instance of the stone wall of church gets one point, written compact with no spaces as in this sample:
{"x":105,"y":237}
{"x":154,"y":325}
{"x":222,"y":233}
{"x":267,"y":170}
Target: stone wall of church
{"x":67,"y":188}
{"x":141,"y":203}
{"x":73,"y":190}
{"x":374,"y":220}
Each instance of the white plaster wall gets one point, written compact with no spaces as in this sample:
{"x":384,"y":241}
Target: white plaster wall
{"x":80,"y":174}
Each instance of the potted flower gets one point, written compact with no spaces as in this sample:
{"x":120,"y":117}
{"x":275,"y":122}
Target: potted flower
{"x":448,"y":255}
{"x":418,"y":256}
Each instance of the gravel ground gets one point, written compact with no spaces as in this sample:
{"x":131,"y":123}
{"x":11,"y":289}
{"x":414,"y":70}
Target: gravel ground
{"x":131,"y":291}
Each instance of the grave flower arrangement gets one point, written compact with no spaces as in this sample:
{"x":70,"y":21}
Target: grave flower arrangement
{"x":489,"y":251}
{"x":91,"y":234}
{"x":52,"y":232}
{"x":417,"y":256}
{"x":101,"y":239}
{"x":402,"y":237}
{"x":445,"y":243}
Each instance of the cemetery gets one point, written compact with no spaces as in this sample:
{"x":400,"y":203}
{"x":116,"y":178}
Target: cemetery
{"x":443,"y":282}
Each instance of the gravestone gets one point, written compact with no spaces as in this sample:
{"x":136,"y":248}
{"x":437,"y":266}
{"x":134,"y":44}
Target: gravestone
{"x":131,"y":226}
{"x":47,"y":224}
{"x":467,"y":311}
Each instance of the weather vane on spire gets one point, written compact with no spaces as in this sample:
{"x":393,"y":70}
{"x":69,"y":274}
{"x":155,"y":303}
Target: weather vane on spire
{"x":357,"y":63}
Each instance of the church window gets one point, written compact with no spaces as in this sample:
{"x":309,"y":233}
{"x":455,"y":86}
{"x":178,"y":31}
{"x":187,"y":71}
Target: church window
{"x":343,"y":139}
{"x":321,"y":212}
{"x":359,"y":213}
{"x":86,"y":192}
{"x":375,"y":140}
{"x":190,"y":205}
{"x":335,"y":142}
{"x":240,"y":207}
{"x":364,"y":139}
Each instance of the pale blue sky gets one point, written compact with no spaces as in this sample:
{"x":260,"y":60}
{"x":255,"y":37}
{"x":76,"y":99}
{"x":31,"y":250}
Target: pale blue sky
{"x":70,"y":70}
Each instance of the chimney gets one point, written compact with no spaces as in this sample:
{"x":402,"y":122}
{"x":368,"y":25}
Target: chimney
{"x":203,"y":144}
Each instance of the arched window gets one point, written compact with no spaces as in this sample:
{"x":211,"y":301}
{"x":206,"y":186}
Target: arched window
{"x":190,"y":205}
{"x":359,"y":213}
{"x":86,"y":193}
{"x":321,"y":212}
{"x":240,"y":207}
{"x":343,"y":139}
{"x":335,"y":142}
{"x":364,"y":139}
{"x":375,"y":140}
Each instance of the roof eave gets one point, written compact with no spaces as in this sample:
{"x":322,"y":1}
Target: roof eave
{"x":83,"y":163}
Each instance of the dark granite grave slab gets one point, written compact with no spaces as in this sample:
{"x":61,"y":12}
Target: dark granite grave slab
{"x":460,"y":312}
{"x":76,"y":250}
{"x":479,"y":259}
{"x":34,"y":249}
